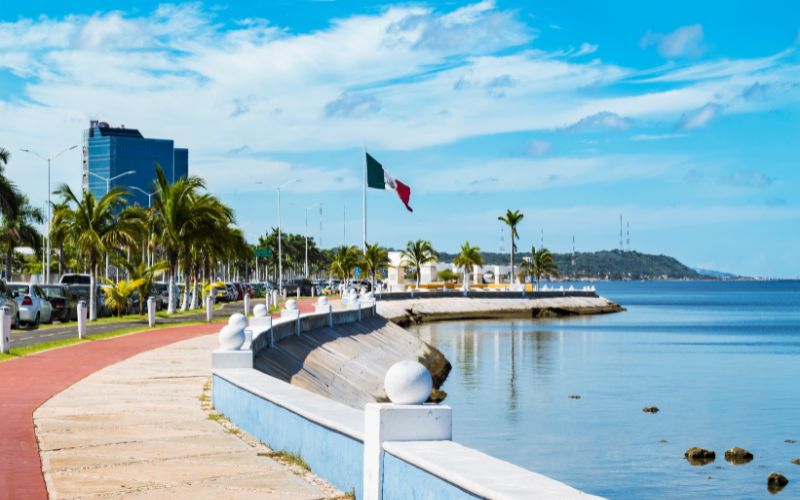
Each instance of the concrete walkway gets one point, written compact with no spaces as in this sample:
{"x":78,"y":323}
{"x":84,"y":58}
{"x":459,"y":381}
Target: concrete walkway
{"x":26,"y":383}
{"x":136,"y":429}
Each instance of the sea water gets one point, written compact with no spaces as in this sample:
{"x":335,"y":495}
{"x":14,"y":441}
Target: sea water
{"x":721,"y":361}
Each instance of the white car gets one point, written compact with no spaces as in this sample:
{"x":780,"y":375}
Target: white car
{"x":34,"y":308}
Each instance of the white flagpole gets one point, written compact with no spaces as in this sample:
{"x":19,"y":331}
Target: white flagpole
{"x":364,"y":202}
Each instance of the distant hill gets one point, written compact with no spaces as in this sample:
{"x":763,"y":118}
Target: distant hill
{"x":717,"y":274}
{"x":606,"y":264}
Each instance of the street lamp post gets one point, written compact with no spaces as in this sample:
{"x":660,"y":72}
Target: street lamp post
{"x":280,"y":251}
{"x":49,"y":205}
{"x":305,"y":268}
{"x":108,"y":190}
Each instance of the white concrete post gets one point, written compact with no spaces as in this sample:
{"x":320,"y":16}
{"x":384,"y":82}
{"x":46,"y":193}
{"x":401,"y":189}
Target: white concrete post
{"x":209,"y":308}
{"x":408,"y":385}
{"x":298,"y":292}
{"x":82,"y":311}
{"x":230,"y":354}
{"x":246,"y":304}
{"x":5,"y":330}
{"x":324,"y":307}
{"x":496,"y":275}
{"x":151,"y":311}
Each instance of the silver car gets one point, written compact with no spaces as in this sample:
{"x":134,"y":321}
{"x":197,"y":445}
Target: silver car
{"x":34,"y":308}
{"x":7,"y":301}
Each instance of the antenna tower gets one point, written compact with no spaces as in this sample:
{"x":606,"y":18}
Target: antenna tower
{"x":629,"y":234}
{"x":621,"y":248}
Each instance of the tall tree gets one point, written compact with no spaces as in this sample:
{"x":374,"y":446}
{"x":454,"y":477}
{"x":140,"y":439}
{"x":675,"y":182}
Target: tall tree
{"x":7,"y":188}
{"x":417,"y":254}
{"x":468,"y":256}
{"x":345,"y":261}
{"x":512,"y":219}
{"x":540,"y":264}
{"x":375,"y":258}
{"x":179,"y":212}
{"x":18,"y":227}
{"x":145,"y":276}
{"x":95,"y":227}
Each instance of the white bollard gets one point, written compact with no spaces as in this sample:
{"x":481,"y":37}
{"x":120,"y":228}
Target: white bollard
{"x":298,"y":292}
{"x":5,"y":330}
{"x":82,"y":310}
{"x":406,"y":418}
{"x":274,"y":298}
{"x":232,"y":338}
{"x":246,"y":304}
{"x":151,"y":311}
{"x":209,"y":309}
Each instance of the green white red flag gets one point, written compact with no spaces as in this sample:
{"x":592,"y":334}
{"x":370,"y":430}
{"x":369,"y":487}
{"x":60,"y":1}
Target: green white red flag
{"x":379,"y":178}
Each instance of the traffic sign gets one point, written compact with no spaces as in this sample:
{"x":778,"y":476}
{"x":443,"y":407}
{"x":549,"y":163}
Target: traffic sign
{"x":264,"y":252}
{"x":357,"y":272}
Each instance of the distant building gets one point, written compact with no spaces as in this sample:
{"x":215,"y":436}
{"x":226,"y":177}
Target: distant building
{"x":111,"y":151}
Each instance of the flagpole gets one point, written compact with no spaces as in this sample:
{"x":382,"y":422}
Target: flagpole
{"x":364,"y":202}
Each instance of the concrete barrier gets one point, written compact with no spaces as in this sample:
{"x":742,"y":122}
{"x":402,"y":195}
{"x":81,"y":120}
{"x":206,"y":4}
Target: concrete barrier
{"x":388,"y":451}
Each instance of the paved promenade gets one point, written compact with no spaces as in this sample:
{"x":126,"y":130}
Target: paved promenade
{"x":27,"y":382}
{"x":136,"y":429}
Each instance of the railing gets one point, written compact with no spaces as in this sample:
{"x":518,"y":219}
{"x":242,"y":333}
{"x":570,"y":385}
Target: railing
{"x":487,"y":294}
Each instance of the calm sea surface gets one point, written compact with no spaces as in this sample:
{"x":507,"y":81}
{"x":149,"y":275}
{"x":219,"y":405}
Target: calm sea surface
{"x":720,"y":360}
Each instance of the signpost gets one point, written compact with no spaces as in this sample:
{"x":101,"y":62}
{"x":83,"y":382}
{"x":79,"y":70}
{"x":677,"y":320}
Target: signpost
{"x":264,"y":253}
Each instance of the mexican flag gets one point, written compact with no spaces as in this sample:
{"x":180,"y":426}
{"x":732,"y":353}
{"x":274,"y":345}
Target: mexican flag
{"x":379,"y":178}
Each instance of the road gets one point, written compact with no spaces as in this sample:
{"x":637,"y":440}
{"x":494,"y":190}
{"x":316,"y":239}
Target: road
{"x":25,"y":337}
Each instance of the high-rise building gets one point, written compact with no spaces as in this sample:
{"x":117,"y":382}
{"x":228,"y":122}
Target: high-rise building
{"x":109,"y":152}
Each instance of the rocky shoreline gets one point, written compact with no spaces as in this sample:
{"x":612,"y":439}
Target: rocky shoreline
{"x":422,"y":309}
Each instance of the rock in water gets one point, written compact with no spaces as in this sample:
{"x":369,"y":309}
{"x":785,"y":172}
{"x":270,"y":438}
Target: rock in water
{"x":796,"y":461}
{"x":574,"y":396}
{"x":776,"y":482}
{"x":699,"y":456}
{"x":790,"y":441}
{"x":650,"y":409}
{"x":738,"y":456}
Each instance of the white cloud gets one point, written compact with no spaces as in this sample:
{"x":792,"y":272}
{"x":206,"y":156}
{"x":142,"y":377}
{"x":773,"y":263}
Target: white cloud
{"x":700,"y":117}
{"x":538,"y":147}
{"x":602,"y":120}
{"x":585,"y":49}
{"x":686,"y":41}
{"x":656,"y":137}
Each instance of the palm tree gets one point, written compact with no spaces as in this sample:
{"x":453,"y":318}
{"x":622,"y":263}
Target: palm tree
{"x":17,"y":228}
{"x":375,"y":258}
{"x":512,"y":219}
{"x":468,"y":256}
{"x":7,"y":188}
{"x":345,"y":261}
{"x":540,"y":264}
{"x":181,"y":214}
{"x":417,"y":254}
{"x":95,"y":227}
{"x":118,"y":296}
{"x":145,"y":275}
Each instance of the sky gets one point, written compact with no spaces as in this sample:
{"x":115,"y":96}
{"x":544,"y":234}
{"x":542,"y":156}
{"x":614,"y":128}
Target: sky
{"x":681,"y":117}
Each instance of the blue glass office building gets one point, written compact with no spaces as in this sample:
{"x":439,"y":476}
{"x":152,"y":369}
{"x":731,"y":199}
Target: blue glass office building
{"x":109,"y":152}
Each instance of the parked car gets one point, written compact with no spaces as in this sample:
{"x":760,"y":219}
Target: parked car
{"x":232,"y":293}
{"x":34,"y":308}
{"x":305,"y":286}
{"x":75,"y":279}
{"x":7,"y":301}
{"x":63,"y":300}
{"x":82,"y":293}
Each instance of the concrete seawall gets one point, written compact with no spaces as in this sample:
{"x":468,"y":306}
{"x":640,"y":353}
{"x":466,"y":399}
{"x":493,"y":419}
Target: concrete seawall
{"x":346,"y":362}
{"x":424,"y":308}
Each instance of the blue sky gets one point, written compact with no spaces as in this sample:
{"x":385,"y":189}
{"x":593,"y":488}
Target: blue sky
{"x":681,"y":117}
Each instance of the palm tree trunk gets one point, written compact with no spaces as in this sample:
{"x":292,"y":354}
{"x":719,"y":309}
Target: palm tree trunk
{"x":511,"y":281}
{"x":9,"y":261}
{"x":186,"y":277}
{"x":171,"y":306}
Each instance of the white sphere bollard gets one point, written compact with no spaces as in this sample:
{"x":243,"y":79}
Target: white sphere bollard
{"x":231,"y":337}
{"x":408,"y":383}
{"x":260,"y":311}
{"x":290,"y":305}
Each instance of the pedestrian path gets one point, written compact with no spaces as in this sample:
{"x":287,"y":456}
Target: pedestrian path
{"x":136,"y":429}
{"x":27,"y":382}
